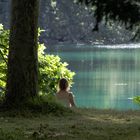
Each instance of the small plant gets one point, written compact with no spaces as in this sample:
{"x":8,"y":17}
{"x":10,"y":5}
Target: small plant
{"x":137,"y":99}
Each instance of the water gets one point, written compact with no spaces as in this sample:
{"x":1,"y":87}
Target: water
{"x":107,"y":77}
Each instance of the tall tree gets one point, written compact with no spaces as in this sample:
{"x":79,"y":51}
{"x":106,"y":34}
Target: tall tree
{"x":126,"y":12}
{"x":22,"y":77}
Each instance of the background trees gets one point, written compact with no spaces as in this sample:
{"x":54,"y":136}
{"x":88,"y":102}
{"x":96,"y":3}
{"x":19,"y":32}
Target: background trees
{"x":70,"y":22}
{"x":126,"y":12}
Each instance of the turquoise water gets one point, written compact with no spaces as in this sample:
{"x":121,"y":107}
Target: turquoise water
{"x":107,"y":77}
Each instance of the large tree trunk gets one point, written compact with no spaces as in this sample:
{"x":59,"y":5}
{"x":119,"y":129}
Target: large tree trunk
{"x":22,"y":78}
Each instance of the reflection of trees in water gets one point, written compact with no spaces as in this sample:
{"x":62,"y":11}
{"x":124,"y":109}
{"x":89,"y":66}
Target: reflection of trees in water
{"x":92,"y":59}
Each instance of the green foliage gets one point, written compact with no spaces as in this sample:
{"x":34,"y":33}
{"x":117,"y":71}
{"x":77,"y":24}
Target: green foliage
{"x":4,"y":42}
{"x":51,"y":69}
{"x":3,"y":57}
{"x":45,"y":105}
{"x":137,"y":99}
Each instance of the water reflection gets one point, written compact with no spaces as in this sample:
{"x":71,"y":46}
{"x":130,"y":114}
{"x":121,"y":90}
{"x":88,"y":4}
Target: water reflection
{"x":106,"y":77}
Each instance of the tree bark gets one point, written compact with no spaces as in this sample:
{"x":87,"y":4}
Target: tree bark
{"x":22,"y":77}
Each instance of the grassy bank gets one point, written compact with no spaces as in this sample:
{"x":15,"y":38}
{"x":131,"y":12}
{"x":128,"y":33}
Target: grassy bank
{"x":83,"y":124}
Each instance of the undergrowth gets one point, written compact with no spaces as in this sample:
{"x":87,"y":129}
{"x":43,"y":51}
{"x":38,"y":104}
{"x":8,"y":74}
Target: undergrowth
{"x":42,"y":105}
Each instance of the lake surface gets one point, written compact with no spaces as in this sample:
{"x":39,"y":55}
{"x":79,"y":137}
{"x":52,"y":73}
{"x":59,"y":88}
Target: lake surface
{"x":107,"y":77}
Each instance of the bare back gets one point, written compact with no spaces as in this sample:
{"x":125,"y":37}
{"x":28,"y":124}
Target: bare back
{"x":66,"y":98}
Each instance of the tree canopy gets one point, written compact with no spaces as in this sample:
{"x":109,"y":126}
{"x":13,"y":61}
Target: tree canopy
{"x":125,"y":12}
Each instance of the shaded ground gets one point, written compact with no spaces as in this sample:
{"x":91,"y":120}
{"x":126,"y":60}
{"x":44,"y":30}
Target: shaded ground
{"x":84,"y":124}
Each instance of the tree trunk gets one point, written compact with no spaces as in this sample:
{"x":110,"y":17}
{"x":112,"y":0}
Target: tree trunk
{"x":22,"y":78}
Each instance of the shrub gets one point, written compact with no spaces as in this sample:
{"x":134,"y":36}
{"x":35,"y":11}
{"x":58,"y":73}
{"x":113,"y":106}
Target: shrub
{"x":137,"y":99}
{"x":4,"y":34}
{"x":51,"y":69}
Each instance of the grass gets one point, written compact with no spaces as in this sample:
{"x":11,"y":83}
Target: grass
{"x":79,"y":124}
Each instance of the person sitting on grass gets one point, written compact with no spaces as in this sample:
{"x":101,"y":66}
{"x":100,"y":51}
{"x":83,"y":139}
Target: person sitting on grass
{"x":64,"y":96}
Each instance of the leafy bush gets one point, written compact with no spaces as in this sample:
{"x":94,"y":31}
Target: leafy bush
{"x":4,"y":34}
{"x":137,"y":99}
{"x":51,"y":69}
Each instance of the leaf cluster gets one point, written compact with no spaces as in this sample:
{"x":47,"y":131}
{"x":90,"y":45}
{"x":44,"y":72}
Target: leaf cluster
{"x":51,"y":70}
{"x":137,"y":99}
{"x":4,"y":42}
